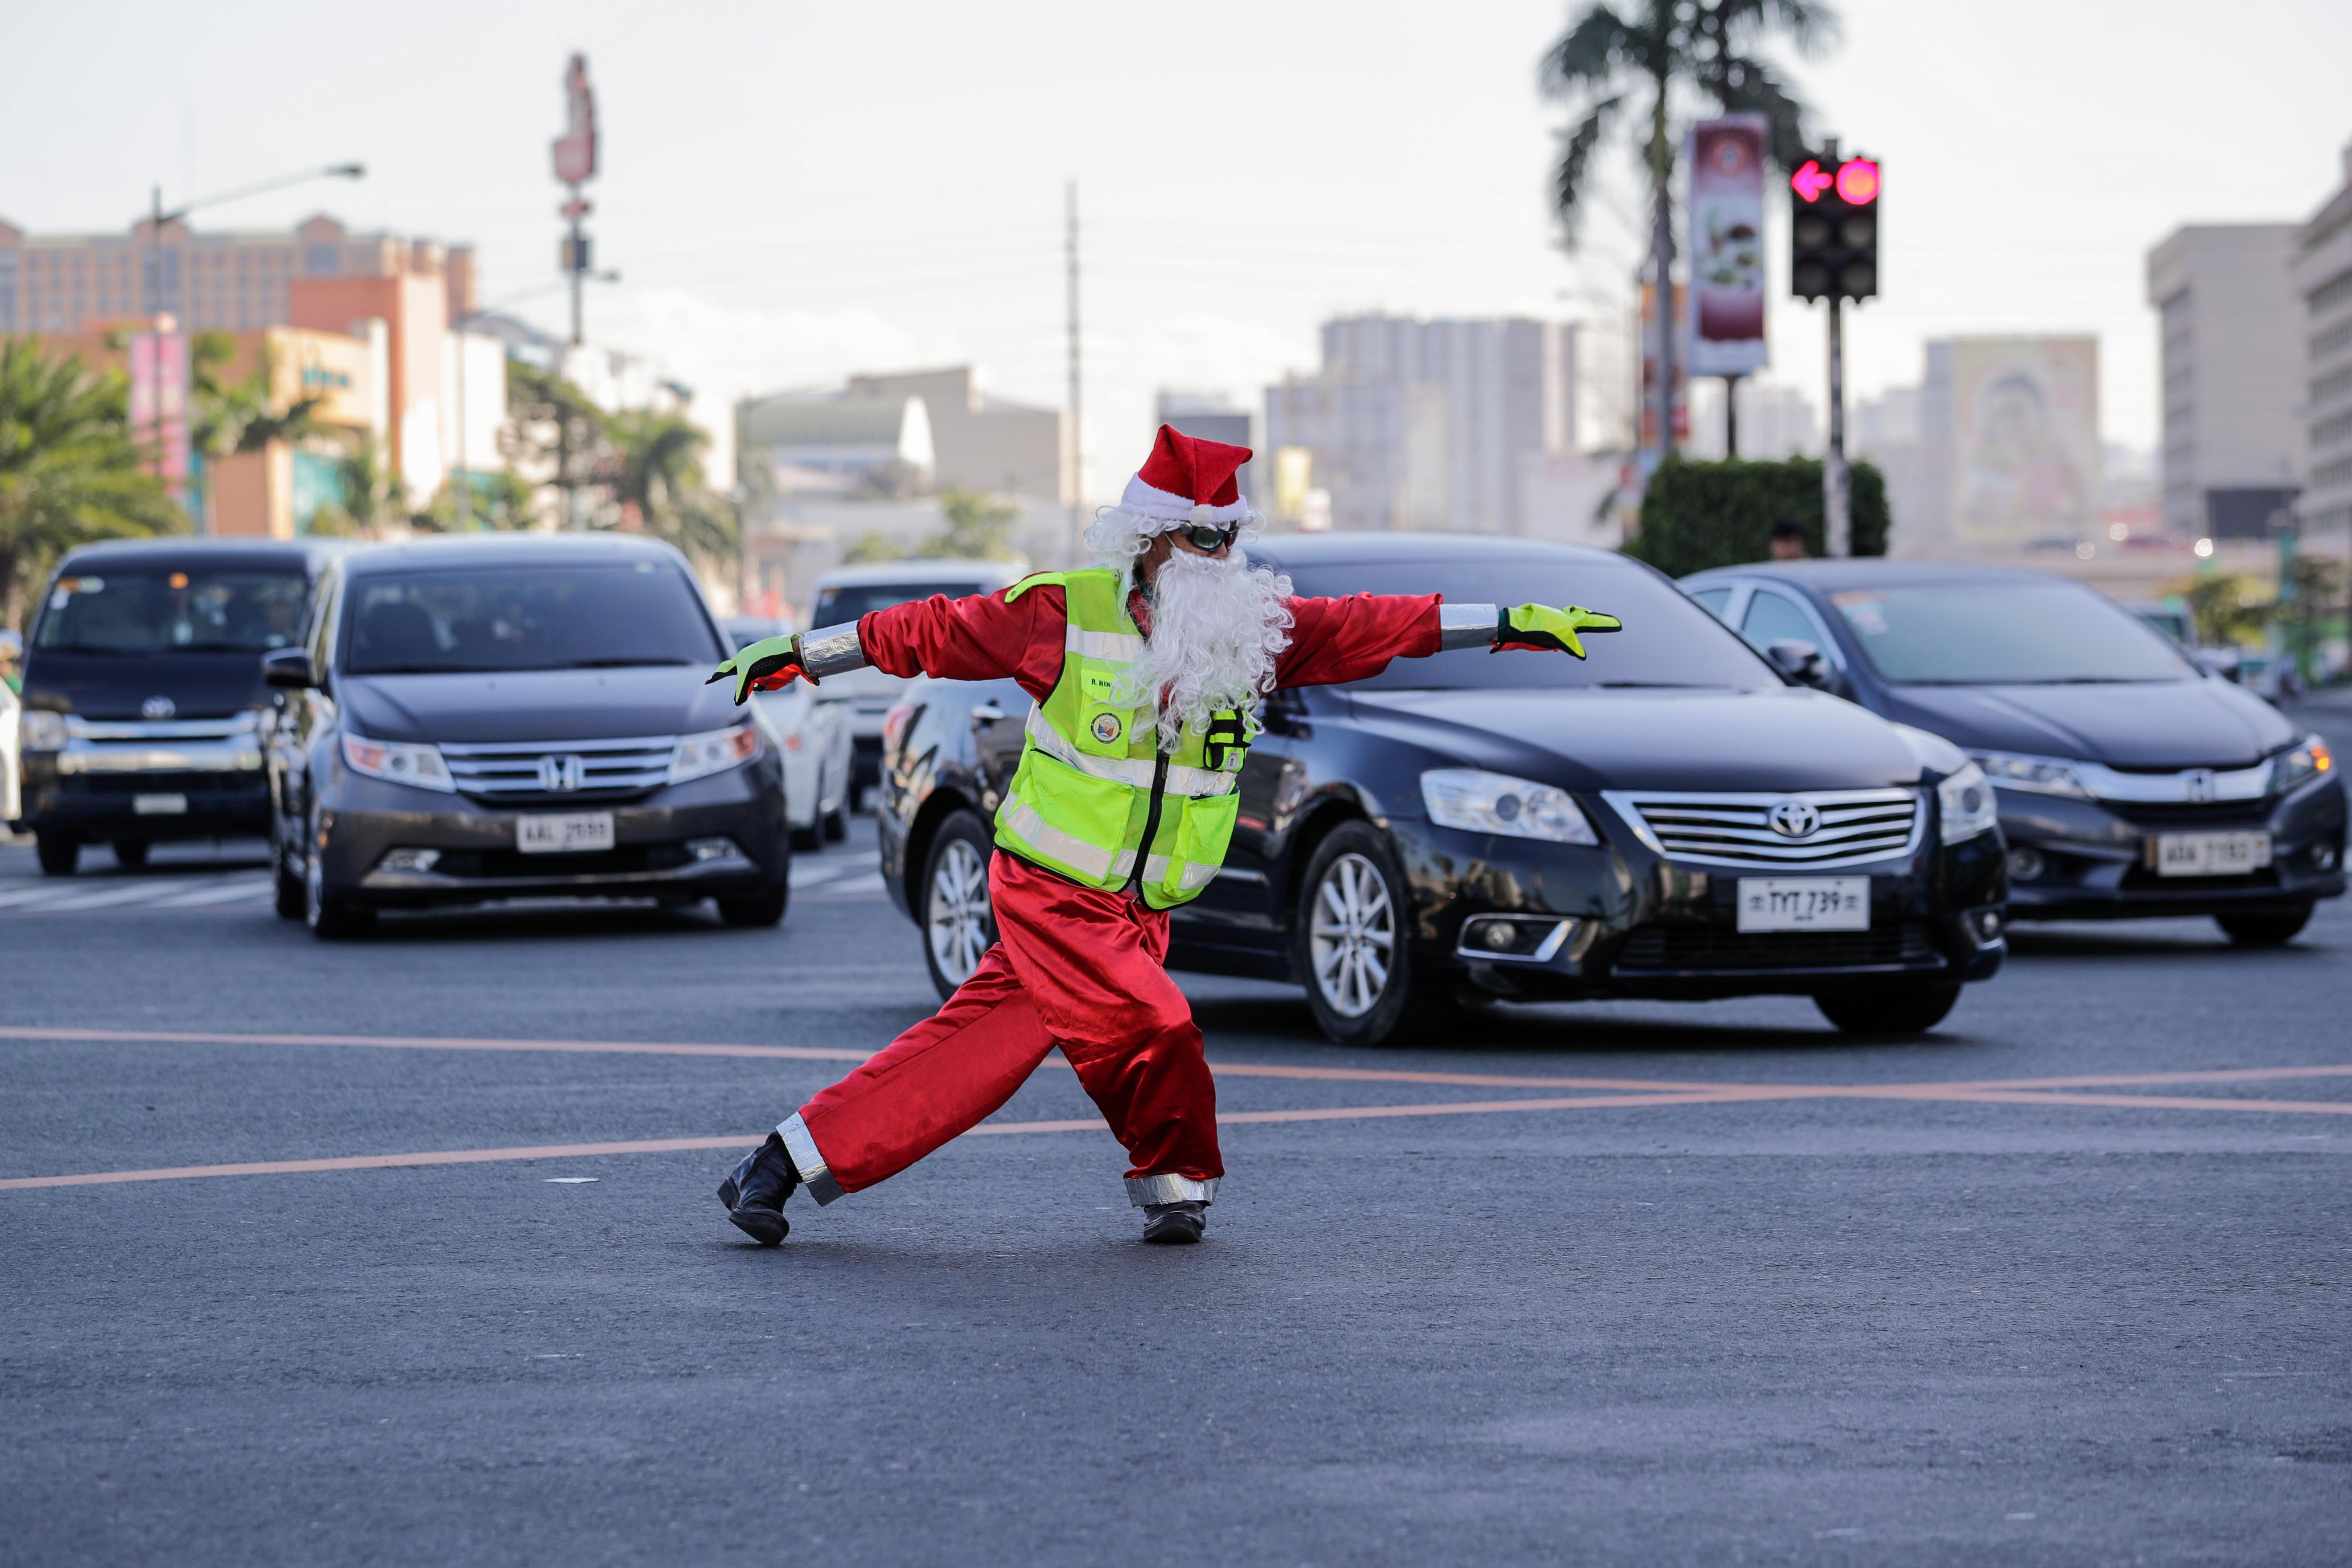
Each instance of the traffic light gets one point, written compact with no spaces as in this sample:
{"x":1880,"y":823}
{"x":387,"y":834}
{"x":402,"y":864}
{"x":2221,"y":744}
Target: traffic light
{"x":1834,"y":230}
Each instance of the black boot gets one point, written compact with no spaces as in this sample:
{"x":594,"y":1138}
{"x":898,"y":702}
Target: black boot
{"x":1174,"y":1223}
{"x":755,"y":1193}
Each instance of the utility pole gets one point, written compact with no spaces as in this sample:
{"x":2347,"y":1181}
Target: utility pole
{"x":1731,"y":416}
{"x":156,"y":320}
{"x":1078,"y":448}
{"x":1837,"y":488}
{"x":575,"y":164}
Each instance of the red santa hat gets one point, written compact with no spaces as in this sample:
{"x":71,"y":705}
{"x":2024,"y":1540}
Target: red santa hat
{"x":1187,"y":481}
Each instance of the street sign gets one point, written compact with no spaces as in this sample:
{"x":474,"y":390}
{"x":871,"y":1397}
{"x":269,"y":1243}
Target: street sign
{"x":575,"y":149}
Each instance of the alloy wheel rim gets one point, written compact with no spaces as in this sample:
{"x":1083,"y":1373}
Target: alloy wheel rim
{"x":1351,"y":936}
{"x":957,"y":916}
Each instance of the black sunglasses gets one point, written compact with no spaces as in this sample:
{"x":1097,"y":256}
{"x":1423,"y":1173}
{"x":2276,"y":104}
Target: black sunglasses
{"x":1209,"y":541}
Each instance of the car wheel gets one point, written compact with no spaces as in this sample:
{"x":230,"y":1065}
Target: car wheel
{"x":2266,"y":927}
{"x":330,"y":919}
{"x":836,"y":825}
{"x":285,"y":875}
{"x":130,"y":854}
{"x":59,"y":853}
{"x":1912,"y":1012}
{"x":959,"y":924}
{"x":1350,"y":932}
{"x":810,"y":838}
{"x":765,"y":908}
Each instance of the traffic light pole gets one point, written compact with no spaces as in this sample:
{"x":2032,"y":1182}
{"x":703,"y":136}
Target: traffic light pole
{"x":1837,"y":518}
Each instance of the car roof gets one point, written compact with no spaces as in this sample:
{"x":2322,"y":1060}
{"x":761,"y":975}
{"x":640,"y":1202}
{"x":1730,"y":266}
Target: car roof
{"x":1874,"y":571}
{"x":1367,"y":549}
{"x":944,"y":569}
{"x":507,"y":550}
{"x":218,"y":554}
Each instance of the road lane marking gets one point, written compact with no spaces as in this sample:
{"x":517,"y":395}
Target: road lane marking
{"x":1729,"y":1094}
{"x":1940,"y":1089}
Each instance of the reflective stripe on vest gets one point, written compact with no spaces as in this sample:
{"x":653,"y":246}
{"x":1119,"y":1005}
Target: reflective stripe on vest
{"x":1199,"y":784}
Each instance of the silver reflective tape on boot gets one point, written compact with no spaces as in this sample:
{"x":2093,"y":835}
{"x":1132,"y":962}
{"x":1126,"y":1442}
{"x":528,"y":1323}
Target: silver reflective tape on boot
{"x":1143,"y":1190}
{"x":831,"y":650}
{"x":807,"y":1161}
{"x":1466,"y":626}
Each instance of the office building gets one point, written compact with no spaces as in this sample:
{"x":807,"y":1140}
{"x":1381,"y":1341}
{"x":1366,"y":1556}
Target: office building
{"x":979,"y":442}
{"x":2320,"y":277}
{"x":2227,"y":329}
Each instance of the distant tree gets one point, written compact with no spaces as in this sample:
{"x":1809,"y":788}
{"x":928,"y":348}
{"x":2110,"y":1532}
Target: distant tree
{"x":978,"y":527}
{"x":241,"y":417}
{"x":556,"y":437}
{"x":869,"y":547}
{"x":2309,"y":603}
{"x":660,"y":486}
{"x":2226,"y":608}
{"x":1613,"y":67}
{"x":70,"y":467}
{"x":370,"y":501}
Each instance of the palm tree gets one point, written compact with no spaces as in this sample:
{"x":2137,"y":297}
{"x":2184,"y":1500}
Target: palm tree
{"x":1607,"y":65}
{"x":660,"y":485}
{"x":70,"y":468}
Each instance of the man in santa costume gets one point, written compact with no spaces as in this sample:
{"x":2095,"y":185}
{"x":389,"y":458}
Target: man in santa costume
{"x":1148,"y":672}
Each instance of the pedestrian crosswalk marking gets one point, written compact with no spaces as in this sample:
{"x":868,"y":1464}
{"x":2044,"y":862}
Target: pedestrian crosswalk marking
{"x":64,"y":897}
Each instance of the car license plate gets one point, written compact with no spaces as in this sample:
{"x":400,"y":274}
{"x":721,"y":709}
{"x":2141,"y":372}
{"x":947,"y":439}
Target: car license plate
{"x":564,"y":833}
{"x":1804,"y":903}
{"x":159,"y":805}
{"x":2211,"y":854}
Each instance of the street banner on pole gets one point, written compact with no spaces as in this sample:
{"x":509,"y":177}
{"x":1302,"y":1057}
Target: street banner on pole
{"x":159,"y":402}
{"x":1727,"y":247}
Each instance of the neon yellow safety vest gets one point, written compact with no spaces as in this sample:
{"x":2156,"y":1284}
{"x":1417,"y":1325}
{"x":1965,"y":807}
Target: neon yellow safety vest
{"x":1094,"y":787}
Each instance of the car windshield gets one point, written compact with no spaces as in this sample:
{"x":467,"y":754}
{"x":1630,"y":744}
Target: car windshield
{"x":193,"y":609}
{"x":843,"y":602}
{"x":1667,"y":639}
{"x":564,"y":616}
{"x":2005,"y":634}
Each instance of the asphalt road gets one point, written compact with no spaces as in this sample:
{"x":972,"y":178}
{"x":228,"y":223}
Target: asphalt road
{"x":1707,"y":1305}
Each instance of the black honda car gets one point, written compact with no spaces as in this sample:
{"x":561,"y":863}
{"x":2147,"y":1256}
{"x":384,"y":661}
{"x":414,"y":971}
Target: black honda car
{"x":2132,"y":781}
{"x":485,"y":717}
{"x":1673,"y":818}
{"x":143,"y":696}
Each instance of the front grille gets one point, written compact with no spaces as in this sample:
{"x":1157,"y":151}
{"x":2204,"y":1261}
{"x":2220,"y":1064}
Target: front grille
{"x":125,"y":786}
{"x":512,"y":770}
{"x":1851,"y":827}
{"x":1711,"y":950}
{"x":2219,"y":813}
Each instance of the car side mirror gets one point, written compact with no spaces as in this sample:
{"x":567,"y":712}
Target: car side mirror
{"x":1800,"y":661}
{"x":289,"y":668}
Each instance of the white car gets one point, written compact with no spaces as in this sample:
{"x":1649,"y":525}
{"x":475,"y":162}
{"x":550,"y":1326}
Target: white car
{"x":813,"y":732}
{"x":9,"y":709}
{"x":847,"y":593}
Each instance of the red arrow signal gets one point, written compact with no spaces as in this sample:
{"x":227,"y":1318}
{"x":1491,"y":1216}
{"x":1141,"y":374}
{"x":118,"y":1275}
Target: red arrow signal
{"x":1809,"y":182}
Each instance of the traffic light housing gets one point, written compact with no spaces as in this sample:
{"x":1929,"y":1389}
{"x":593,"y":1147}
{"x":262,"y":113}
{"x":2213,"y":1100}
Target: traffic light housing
{"x":1833,"y":228}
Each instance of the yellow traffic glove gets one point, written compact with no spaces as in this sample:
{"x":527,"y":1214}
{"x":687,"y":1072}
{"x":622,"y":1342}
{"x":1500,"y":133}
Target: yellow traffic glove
{"x":1541,"y":629}
{"x":769,"y":665}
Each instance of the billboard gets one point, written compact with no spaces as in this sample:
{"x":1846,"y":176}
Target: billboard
{"x":158,"y":405}
{"x":2025,"y":424}
{"x":1727,"y":247}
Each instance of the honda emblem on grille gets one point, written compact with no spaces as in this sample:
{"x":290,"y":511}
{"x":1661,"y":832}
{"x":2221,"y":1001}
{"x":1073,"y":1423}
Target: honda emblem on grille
{"x":559,"y":775}
{"x":158,"y":708}
{"x":2197,"y":784}
{"x":1793,"y":819}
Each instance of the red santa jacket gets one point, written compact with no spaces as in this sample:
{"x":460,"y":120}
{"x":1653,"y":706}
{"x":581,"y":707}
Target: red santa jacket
{"x":984,"y":638}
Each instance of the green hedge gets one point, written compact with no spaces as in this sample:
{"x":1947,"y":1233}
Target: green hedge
{"x":1697,"y":515}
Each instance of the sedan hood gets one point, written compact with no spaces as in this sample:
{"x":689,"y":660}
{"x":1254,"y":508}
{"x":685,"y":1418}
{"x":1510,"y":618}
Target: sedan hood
{"x":2139,"y":724}
{"x":537,"y":705}
{"x":1665,"y":740}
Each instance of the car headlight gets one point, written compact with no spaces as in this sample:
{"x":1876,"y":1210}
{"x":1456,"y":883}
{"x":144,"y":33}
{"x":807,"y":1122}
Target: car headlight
{"x":42,"y":731}
{"x":2043,"y":775}
{"x":398,"y":762}
{"x":1482,"y":802}
{"x":2307,"y":761}
{"x":1967,"y":803}
{"x":713,"y":751}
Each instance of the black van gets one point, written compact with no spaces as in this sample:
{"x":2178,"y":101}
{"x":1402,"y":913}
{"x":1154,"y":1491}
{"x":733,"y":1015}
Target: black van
{"x":144,"y":695}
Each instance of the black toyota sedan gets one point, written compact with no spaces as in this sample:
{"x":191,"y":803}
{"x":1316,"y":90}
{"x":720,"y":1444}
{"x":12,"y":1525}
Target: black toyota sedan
{"x":473,"y":719}
{"x":1673,"y":818}
{"x":2132,"y":781}
{"x":143,"y":696}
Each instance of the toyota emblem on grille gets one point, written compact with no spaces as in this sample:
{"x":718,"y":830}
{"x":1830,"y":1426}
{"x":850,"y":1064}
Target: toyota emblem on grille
{"x":158,"y":708}
{"x":559,"y":775}
{"x":2197,"y":784}
{"x":1793,"y":819}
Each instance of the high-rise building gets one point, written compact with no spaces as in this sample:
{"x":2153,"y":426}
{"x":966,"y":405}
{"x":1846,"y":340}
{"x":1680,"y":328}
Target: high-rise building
{"x":2226,"y":318}
{"x":220,"y":282}
{"x":2321,"y":279}
{"x":1414,"y":424}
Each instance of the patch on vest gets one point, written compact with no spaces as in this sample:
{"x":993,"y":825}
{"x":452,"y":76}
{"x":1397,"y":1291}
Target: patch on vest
{"x":1106,"y":728}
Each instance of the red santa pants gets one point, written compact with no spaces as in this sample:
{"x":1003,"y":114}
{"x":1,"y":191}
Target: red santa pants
{"x":1072,"y":967}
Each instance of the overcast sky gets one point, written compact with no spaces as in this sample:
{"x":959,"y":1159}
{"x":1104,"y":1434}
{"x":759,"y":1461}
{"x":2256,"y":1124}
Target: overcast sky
{"x":793,"y":191}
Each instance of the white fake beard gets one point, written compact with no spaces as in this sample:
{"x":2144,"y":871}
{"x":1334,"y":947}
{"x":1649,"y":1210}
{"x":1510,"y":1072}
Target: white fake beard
{"x":1216,"y":629}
